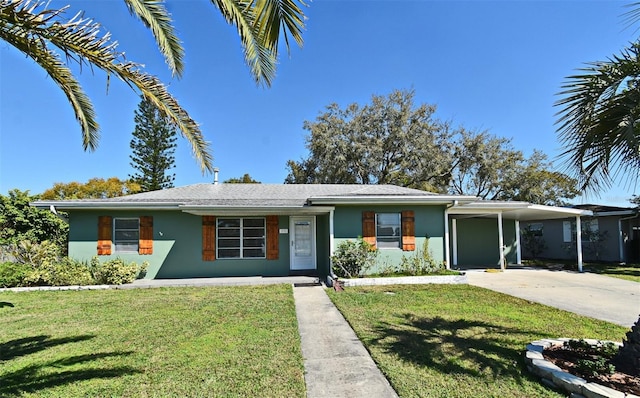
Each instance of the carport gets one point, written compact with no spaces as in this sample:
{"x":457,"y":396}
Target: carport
{"x":507,"y":216}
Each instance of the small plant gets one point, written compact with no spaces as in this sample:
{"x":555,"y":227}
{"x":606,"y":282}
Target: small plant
{"x":421,"y":262}
{"x":594,"y":367}
{"x":353,"y":258}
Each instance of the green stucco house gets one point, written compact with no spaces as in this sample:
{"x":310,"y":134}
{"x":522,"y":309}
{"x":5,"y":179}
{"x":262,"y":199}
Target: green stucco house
{"x":217,"y":230}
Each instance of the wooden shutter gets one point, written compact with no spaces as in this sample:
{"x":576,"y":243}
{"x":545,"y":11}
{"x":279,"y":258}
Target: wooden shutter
{"x":272,"y":238}
{"x":408,"y":231}
{"x":105,"y":225}
{"x":369,"y":227}
{"x":145,"y":245}
{"x":208,"y":238}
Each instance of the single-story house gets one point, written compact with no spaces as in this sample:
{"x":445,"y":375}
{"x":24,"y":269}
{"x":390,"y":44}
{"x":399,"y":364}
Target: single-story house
{"x":609,"y":234}
{"x":214,"y":230}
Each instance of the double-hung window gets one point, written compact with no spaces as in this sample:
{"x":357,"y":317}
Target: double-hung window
{"x":241,"y":238}
{"x":126,"y":234}
{"x":388,"y":231}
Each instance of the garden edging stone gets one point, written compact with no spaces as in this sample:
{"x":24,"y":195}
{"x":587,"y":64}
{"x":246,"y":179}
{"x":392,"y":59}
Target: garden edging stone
{"x":553,"y":376}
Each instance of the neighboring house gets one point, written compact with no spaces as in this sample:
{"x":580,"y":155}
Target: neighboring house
{"x":211,"y":230}
{"x":610,"y":234}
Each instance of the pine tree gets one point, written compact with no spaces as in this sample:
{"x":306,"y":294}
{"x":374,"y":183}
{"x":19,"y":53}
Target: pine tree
{"x":153,"y":146}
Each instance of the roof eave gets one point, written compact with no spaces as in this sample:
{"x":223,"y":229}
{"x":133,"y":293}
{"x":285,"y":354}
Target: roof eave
{"x":390,"y":199}
{"x":205,"y":210}
{"x":102,"y":205}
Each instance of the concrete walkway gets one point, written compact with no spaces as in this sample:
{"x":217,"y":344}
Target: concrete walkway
{"x":602,"y":297}
{"x":335,"y":361}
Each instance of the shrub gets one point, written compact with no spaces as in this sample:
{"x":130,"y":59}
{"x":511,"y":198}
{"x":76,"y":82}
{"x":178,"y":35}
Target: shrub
{"x":116,"y":271}
{"x":70,"y":272}
{"x":13,"y":274}
{"x":353,"y":258}
{"x":421,"y":262}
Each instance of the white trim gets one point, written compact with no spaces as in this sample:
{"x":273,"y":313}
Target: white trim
{"x":454,"y":240}
{"x":332,"y":245}
{"x":579,"y":242}
{"x":314,"y":257}
{"x":391,"y":199}
{"x":501,"y":241}
{"x":518,"y":248}
{"x":255,"y":211}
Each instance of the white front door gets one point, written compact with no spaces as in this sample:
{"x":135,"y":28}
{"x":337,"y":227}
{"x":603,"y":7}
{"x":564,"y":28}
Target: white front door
{"x":302,"y":242}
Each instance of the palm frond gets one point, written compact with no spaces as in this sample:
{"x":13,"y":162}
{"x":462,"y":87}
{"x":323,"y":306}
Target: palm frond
{"x":599,"y":120}
{"x":79,"y":39}
{"x":155,"y":16}
{"x":17,"y":22}
{"x":259,"y":23}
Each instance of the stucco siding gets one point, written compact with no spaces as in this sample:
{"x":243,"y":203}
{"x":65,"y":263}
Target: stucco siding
{"x":478,"y":241}
{"x":557,"y":248}
{"x":177,"y":247}
{"x":429,"y":222}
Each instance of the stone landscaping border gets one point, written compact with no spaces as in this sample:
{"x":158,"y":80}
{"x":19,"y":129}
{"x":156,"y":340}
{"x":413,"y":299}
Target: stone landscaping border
{"x":406,"y":280}
{"x":557,"y":378}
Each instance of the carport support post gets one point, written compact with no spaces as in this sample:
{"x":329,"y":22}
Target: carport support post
{"x":454,"y":240}
{"x":500,"y":241}
{"x":446,"y":239}
{"x":579,"y":242}
{"x":518,"y":249}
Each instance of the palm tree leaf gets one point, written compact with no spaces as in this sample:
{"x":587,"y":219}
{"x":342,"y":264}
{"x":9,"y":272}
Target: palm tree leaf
{"x":259,"y":23}
{"x":79,"y":39}
{"x":155,"y":16}
{"x":17,"y":21}
{"x":599,"y":120}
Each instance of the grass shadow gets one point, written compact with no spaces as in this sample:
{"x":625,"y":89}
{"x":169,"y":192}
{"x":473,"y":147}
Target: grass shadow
{"x":6,"y":304}
{"x":36,"y":377}
{"x":29,"y":345}
{"x":474,"y":348}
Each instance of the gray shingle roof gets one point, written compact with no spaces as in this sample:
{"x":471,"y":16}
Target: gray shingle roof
{"x":263,"y":194}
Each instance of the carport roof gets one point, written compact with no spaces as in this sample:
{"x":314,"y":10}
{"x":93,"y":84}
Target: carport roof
{"x":522,"y":211}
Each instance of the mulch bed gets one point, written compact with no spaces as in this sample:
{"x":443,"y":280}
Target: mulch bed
{"x":566,"y":360}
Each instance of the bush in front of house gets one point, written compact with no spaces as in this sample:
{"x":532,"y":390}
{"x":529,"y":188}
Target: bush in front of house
{"x":41,"y":264}
{"x":13,"y":274}
{"x":352,"y":258}
{"x":116,"y":271}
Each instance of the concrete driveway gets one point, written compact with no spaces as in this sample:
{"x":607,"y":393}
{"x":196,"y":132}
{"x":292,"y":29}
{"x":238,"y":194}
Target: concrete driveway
{"x":597,"y":296}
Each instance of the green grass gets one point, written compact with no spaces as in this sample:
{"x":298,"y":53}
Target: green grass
{"x":218,"y":341}
{"x":630,"y":272}
{"x":458,"y":340}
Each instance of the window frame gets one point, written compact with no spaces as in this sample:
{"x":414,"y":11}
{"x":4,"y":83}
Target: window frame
{"x":116,"y":241}
{"x":241,"y":238}
{"x":397,"y":232}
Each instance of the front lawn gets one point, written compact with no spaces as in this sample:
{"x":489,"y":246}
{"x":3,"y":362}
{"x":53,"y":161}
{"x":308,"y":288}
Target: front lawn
{"x":458,"y":340}
{"x":217,"y":341}
{"x":630,"y":272}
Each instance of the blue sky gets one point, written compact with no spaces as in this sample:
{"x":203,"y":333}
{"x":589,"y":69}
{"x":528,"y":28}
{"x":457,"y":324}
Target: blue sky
{"x":487,"y":65}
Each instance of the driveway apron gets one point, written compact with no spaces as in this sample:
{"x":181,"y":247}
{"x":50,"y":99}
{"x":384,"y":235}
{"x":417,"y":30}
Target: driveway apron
{"x":335,"y":361}
{"x":596,"y":296}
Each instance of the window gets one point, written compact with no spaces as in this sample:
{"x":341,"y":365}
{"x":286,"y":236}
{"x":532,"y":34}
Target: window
{"x":388,"y":232}
{"x":535,"y":229}
{"x":240,"y":238}
{"x":126,"y":234}
{"x":589,"y":230}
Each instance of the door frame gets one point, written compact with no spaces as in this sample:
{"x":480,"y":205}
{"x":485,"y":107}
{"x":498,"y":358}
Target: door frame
{"x":314,"y":257}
